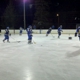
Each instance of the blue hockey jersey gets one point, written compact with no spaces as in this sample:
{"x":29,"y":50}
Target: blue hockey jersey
{"x":59,"y":29}
{"x":7,"y":32}
{"x":78,"y":30}
{"x":29,"y":31}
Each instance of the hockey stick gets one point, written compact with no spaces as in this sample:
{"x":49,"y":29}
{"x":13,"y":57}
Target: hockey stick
{"x":34,"y":41}
{"x":15,"y":40}
{"x":52,"y":36}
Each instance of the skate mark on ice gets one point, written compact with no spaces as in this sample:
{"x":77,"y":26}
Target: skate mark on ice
{"x":74,"y":54}
{"x":76,"y":46}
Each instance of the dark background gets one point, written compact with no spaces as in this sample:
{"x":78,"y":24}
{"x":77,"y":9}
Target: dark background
{"x":68,"y":10}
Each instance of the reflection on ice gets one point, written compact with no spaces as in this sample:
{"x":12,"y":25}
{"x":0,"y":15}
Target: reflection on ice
{"x":28,"y":74}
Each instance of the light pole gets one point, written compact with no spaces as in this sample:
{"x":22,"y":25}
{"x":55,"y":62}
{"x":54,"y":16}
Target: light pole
{"x":30,"y":6}
{"x":24,"y":14}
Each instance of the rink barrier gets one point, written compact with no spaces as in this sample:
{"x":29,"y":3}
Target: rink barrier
{"x":65,"y":31}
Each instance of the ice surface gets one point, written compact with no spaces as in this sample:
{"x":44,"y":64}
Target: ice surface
{"x":49,"y":59}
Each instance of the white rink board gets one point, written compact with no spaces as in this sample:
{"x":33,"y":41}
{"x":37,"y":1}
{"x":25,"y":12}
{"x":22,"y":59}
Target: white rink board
{"x":54,"y":31}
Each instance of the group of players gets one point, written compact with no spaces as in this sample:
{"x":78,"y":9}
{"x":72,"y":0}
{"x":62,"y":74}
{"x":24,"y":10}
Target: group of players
{"x":28,"y":30}
{"x":29,"y":33}
{"x":59,"y":31}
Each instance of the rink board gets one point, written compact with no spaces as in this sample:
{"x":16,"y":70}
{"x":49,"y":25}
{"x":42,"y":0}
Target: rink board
{"x":54,"y":31}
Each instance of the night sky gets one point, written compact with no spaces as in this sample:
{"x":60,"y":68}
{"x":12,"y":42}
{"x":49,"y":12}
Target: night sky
{"x":55,"y":5}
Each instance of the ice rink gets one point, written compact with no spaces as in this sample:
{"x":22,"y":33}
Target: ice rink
{"x":49,"y":59}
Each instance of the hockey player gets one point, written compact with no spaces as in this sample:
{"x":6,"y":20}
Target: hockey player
{"x":59,"y":31}
{"x":6,"y":35}
{"x":78,"y":32}
{"x":49,"y":31}
{"x":20,"y":33}
{"x":29,"y":33}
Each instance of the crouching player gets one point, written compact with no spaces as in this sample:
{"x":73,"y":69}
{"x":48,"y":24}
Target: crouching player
{"x":49,"y":31}
{"x":59,"y":31}
{"x":29,"y":33}
{"x":6,"y":35}
{"x":78,"y":32}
